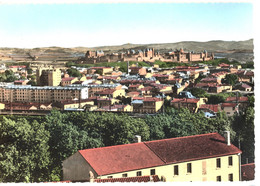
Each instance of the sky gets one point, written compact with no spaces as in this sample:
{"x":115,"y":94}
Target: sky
{"x":99,"y":24}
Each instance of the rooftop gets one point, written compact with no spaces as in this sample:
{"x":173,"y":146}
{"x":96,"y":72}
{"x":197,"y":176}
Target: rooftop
{"x":153,"y":178}
{"x":156,"y":153}
{"x":248,"y":171}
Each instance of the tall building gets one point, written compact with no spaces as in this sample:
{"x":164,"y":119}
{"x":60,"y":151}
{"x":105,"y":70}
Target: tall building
{"x":48,"y":76}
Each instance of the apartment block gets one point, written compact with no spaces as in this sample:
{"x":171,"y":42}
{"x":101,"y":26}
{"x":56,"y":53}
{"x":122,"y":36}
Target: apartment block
{"x":47,"y":76}
{"x":44,"y":94}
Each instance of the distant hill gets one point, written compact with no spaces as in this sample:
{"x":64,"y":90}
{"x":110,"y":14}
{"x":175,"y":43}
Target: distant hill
{"x":210,"y":46}
{"x":228,"y":48}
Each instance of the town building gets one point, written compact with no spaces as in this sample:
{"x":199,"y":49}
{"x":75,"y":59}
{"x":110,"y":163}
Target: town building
{"x":48,"y":76}
{"x":147,"y":54}
{"x":205,"y":157}
{"x":44,"y":94}
{"x":147,"y":104}
{"x":229,"y":108}
{"x":193,"y":104}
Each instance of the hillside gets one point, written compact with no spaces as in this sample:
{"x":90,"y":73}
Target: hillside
{"x":225,"y":48}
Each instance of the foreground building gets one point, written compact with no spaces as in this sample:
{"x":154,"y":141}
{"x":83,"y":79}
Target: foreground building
{"x":206,"y":157}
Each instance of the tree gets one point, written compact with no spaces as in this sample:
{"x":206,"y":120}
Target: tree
{"x":29,"y":71}
{"x":198,"y":92}
{"x":231,"y":79}
{"x":243,"y":124}
{"x":74,"y":72}
{"x":65,"y":139}
{"x":24,"y":153}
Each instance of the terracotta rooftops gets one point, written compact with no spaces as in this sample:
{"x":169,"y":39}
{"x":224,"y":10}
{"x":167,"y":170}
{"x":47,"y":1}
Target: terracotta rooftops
{"x":228,"y":105}
{"x":121,"y":158}
{"x":153,"y":178}
{"x":185,"y":100}
{"x":238,"y":99}
{"x":248,"y":171}
{"x":213,"y":108}
{"x":68,"y":79}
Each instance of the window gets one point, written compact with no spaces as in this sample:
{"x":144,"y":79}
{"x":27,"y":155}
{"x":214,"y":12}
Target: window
{"x":230,"y":161}
{"x":124,"y":175}
{"x":188,"y":167}
{"x":218,"y":178}
{"x":176,"y":170}
{"x":139,"y":173}
{"x":152,"y":171}
{"x":110,"y":177}
{"x":230,"y":177}
{"x":218,"y":163}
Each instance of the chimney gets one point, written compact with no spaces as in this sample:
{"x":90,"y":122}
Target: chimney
{"x":137,"y":139}
{"x":227,"y":137}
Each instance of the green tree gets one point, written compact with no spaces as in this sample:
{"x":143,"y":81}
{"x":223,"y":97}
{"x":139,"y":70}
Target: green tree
{"x":243,"y":124}
{"x":74,"y":72}
{"x":198,"y":92}
{"x":24,"y":153}
{"x":29,"y":71}
{"x":231,"y":79}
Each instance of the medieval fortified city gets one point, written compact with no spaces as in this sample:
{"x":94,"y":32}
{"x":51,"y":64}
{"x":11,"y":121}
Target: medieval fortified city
{"x":179,"y":111}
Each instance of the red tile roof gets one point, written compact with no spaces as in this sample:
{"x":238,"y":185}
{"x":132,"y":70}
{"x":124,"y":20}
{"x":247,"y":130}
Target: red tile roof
{"x":136,"y":85}
{"x":213,"y":108}
{"x":239,"y":99}
{"x":122,"y":158}
{"x":224,"y":65}
{"x":68,"y":79}
{"x":185,"y":100}
{"x":206,"y":85}
{"x":245,"y":86}
{"x":153,"y":178}
{"x":153,"y":99}
{"x":106,"y":91}
{"x":228,"y":105}
{"x":135,"y":93}
{"x":190,"y":148}
{"x":248,"y":171}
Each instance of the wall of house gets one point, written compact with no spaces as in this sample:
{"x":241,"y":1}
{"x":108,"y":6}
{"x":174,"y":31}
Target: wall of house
{"x":198,"y":173}
{"x":76,"y":168}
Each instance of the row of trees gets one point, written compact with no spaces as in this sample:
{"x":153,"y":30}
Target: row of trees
{"x":32,"y":149}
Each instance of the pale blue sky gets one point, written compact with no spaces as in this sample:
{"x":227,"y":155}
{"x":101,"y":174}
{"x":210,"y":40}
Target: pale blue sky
{"x":72,"y":25}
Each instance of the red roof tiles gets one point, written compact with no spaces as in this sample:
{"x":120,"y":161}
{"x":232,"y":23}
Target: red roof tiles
{"x":213,"y":108}
{"x":238,"y":99}
{"x":228,"y":105}
{"x":248,"y":171}
{"x":153,"y":178}
{"x":185,"y":100}
{"x":189,"y":148}
{"x":122,"y":158}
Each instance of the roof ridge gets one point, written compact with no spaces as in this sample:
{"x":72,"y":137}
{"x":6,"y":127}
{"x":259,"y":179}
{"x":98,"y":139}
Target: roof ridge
{"x":185,"y":137}
{"x":113,"y":146}
{"x":164,"y":161}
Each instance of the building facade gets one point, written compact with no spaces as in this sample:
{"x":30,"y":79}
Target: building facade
{"x":44,"y":94}
{"x":206,"y":157}
{"x":46,"y":76}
